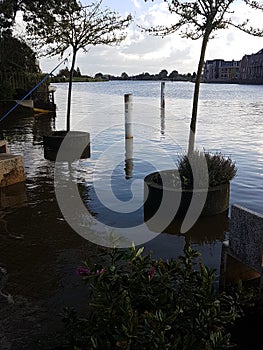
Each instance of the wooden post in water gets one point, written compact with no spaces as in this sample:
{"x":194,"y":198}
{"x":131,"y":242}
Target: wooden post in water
{"x":163,"y":94}
{"x":128,"y":101}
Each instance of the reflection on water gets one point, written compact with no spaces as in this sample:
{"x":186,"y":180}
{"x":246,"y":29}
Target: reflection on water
{"x":13,"y":195}
{"x":37,"y":248}
{"x":128,"y":157}
{"x":41,"y":251}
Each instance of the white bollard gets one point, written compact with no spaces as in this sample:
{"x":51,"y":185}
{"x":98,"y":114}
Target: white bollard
{"x":128,"y":115}
{"x":163,"y":94}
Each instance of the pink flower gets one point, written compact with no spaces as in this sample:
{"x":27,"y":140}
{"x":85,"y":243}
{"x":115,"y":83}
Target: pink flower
{"x":100,"y":272}
{"x":83,"y":271}
{"x":151,"y":272}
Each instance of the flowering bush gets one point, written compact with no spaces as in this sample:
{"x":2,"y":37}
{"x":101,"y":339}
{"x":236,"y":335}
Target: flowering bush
{"x":141,"y":303}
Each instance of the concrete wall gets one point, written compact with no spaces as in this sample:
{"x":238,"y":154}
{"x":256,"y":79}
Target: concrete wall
{"x":246,"y":237}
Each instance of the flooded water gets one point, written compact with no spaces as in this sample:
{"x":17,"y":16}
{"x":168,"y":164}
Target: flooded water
{"x":41,"y":250}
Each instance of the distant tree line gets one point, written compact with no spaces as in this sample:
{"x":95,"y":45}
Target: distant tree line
{"x":64,"y":74}
{"x":162,"y":75}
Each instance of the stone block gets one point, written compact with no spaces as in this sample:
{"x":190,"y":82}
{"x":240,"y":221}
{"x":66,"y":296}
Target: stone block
{"x":11,"y":169}
{"x":246,"y":237}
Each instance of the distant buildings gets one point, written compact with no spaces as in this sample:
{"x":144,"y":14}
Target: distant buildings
{"x":247,"y":71}
{"x":221,"y":71}
{"x":251,"y":68}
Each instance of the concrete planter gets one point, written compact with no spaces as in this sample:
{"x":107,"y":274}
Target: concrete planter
{"x":217,"y":200}
{"x":12,"y":169}
{"x":77,"y":143}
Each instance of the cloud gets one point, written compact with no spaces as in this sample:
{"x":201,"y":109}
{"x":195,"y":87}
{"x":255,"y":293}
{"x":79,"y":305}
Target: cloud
{"x":136,"y":4}
{"x":142,"y":52}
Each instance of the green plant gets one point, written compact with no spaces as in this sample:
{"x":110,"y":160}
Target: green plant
{"x":137,"y":302}
{"x":220,"y":169}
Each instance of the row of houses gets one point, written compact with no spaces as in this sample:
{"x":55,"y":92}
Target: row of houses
{"x":247,"y":71}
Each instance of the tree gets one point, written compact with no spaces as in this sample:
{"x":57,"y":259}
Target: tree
{"x":163,"y":74}
{"x":8,"y":11}
{"x":173,"y":75}
{"x":78,"y":72}
{"x":18,"y":67}
{"x":16,"y":55}
{"x":68,"y":24}
{"x":200,"y":19}
{"x":64,"y":72}
{"x":124,"y":76}
{"x":98,"y":76}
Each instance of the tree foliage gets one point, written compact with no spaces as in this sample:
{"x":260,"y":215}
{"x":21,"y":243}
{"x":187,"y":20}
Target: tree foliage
{"x":65,"y":72}
{"x":200,"y":19}
{"x":163,"y":74}
{"x":68,"y":24}
{"x":8,"y":10}
{"x":18,"y":68}
{"x":16,"y":55}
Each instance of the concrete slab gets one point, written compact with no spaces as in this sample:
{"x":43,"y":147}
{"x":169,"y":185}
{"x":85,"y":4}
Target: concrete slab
{"x":242,"y":252}
{"x":246,"y":237}
{"x":11,"y":169}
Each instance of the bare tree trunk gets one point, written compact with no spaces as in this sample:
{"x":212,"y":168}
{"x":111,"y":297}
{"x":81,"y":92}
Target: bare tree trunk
{"x":196,"y":94}
{"x":70,"y":88}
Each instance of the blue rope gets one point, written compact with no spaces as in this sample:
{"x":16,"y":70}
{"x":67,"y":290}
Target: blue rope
{"x":32,"y":90}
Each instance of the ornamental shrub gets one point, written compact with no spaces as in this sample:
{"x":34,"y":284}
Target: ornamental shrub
{"x":137,"y":302}
{"x":220,"y":169}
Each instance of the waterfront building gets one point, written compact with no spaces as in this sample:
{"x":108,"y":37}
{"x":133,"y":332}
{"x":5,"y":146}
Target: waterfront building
{"x":221,"y":71}
{"x":247,"y":71}
{"x":251,"y":69}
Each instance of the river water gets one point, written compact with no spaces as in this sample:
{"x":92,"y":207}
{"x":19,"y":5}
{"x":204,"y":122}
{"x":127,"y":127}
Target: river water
{"x":38,"y":246}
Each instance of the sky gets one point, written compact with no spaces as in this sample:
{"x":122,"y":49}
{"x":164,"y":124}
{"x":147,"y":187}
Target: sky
{"x":141,"y":52}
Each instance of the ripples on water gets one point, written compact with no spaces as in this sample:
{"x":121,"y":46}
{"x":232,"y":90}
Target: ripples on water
{"x":229,"y":121}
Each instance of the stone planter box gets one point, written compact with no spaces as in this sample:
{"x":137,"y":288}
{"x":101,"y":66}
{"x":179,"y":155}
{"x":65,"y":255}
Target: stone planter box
{"x":11,"y":169}
{"x":217,"y":200}
{"x":76,"y":140}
